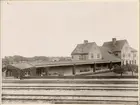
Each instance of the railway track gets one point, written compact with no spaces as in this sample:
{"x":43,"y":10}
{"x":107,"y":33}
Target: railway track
{"x":71,"y":91}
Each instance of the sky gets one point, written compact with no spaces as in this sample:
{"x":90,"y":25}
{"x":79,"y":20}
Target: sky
{"x":44,"y":28}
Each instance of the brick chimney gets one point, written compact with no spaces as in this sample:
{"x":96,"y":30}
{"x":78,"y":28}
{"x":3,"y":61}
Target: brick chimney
{"x":85,"y":41}
{"x":114,"y":41}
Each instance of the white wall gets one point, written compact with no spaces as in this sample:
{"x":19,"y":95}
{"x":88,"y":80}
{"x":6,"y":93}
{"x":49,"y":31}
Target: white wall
{"x":127,"y":50}
{"x":95,"y":50}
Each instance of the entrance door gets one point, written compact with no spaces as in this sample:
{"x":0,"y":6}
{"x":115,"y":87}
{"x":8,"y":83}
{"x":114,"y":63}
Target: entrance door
{"x":40,"y":71}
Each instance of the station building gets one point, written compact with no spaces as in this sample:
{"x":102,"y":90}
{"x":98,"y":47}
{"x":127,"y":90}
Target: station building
{"x":87,"y":57}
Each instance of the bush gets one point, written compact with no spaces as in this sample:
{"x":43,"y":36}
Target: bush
{"x":124,"y":68}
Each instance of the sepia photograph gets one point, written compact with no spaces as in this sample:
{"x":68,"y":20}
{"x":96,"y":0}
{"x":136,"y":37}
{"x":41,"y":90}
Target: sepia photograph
{"x":70,"y":52}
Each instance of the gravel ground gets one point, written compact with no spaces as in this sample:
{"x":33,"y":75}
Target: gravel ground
{"x":75,"y":79}
{"x":114,"y":74}
{"x":74,"y":98}
{"x":65,"y":84}
{"x":72,"y":92}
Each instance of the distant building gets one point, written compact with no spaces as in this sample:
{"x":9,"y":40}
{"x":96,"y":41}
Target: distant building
{"x":86,"y":51}
{"x":122,"y":49}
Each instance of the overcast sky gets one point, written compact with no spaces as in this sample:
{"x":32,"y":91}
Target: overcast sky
{"x":55,"y":28}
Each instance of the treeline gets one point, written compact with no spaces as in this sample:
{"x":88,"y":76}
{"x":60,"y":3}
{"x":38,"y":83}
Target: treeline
{"x":17,"y":58}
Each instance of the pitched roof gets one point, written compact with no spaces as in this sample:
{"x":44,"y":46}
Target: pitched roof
{"x":118,"y":46}
{"x":21,"y":66}
{"x":107,"y":55}
{"x":83,"y":48}
{"x":133,"y":50}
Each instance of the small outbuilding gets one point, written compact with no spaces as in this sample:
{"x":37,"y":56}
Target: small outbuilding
{"x":17,"y":70}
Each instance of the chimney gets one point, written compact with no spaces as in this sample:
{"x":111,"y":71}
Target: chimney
{"x":114,"y":41}
{"x":85,"y":41}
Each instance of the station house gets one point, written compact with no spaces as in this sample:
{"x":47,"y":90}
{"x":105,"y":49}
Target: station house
{"x":87,"y":57}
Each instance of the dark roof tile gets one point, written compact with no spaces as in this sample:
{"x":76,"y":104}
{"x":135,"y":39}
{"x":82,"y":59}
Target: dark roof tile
{"x":83,"y":48}
{"x":107,"y":55}
{"x":21,"y":66}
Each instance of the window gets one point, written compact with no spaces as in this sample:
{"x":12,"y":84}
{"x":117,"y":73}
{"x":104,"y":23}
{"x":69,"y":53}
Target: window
{"x":123,"y":62}
{"x":134,"y":55}
{"x":40,"y":71}
{"x":80,"y":57}
{"x":135,"y":61}
{"x":92,"y":55}
{"x":126,"y":62}
{"x":116,"y":54}
{"x":130,"y":62}
{"x":84,"y":57}
{"x":129,"y":55}
{"x":72,"y":57}
{"x":84,"y":70}
{"x":98,"y":55}
{"x":27,"y":73}
{"x":123,"y":55}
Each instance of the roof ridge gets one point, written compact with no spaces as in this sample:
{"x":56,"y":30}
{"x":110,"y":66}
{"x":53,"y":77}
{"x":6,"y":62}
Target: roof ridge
{"x":116,"y":40}
{"x":86,"y":43}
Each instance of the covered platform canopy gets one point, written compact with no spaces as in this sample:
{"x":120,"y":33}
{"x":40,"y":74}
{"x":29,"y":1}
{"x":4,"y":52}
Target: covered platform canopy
{"x":27,"y":65}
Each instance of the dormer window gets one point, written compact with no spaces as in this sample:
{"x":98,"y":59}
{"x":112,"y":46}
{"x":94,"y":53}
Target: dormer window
{"x":109,"y":52}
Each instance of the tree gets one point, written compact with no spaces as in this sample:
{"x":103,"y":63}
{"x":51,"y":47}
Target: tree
{"x":119,"y":69}
{"x":133,"y":68}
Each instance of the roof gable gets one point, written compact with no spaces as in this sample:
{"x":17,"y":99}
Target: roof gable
{"x":117,"y":47}
{"x":83,"y":48}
